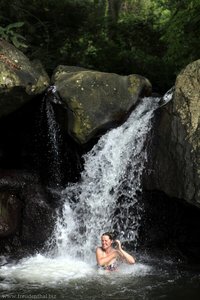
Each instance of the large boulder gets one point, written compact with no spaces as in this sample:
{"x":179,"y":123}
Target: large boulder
{"x":96,"y":100}
{"x":176,"y":146}
{"x":20,"y":79}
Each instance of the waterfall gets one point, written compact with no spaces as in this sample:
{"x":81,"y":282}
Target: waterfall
{"x":50,"y":140}
{"x":106,"y":197}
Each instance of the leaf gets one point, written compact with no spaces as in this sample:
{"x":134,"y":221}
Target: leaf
{"x":17,"y":43}
{"x":19,"y":36}
{"x":15,"y":25}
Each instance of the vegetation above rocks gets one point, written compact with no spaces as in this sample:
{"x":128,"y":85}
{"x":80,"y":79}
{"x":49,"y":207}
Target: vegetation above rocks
{"x":153,"y":38}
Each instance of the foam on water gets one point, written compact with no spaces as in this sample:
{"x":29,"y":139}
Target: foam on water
{"x":51,"y":271}
{"x":45,"y":270}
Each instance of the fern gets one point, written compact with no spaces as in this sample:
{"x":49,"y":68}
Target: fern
{"x":9,"y":34}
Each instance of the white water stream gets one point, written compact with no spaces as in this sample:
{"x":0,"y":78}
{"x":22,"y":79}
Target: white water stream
{"x":106,"y":198}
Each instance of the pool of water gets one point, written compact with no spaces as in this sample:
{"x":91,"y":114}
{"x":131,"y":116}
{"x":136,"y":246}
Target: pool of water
{"x":42,"y":277}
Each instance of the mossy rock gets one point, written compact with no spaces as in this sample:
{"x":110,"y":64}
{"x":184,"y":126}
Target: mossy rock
{"x":95,"y":100}
{"x":176,"y":156}
{"x":20,"y":79}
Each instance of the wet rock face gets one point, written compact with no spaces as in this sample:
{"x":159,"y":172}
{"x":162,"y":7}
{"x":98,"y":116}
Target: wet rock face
{"x":176,"y":146}
{"x":10,"y":213}
{"x":27,"y":212}
{"x":37,"y":221}
{"x":20,"y":79}
{"x":170,"y":223}
{"x":96,"y":100}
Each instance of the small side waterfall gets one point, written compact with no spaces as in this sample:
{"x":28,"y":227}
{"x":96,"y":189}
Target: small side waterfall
{"x":50,"y":139}
{"x":106,"y":198}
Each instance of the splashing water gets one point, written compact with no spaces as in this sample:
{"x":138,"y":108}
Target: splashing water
{"x":106,"y":196}
{"x":167,"y":97}
{"x":56,"y":271}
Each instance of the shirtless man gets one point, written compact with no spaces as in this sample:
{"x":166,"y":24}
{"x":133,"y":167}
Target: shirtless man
{"x":107,"y":256}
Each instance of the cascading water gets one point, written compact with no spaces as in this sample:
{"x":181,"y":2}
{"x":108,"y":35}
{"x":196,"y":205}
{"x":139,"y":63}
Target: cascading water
{"x":106,"y":196}
{"x":50,"y":138}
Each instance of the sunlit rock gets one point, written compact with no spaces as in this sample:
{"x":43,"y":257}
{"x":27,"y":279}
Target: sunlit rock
{"x":96,"y":101}
{"x":20,"y":79}
{"x":176,"y":147}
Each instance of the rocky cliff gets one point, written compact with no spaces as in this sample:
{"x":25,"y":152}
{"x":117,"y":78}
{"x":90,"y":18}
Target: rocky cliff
{"x":175,"y":150}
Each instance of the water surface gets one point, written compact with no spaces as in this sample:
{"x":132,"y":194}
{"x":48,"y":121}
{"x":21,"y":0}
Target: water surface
{"x":41,"y":277}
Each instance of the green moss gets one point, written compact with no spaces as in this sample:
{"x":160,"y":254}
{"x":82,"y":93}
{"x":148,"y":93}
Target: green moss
{"x":134,"y":85}
{"x":81,"y":123}
{"x":7,"y":78}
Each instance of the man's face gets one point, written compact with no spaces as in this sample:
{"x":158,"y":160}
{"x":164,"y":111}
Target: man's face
{"x":105,"y":242}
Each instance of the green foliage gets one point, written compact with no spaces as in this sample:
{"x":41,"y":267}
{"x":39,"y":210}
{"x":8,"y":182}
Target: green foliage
{"x":154,"y":38}
{"x":9,"y":33}
{"x":182,"y":35}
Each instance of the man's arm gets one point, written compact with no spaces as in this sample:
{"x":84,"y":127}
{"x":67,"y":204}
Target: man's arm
{"x":105,"y":260}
